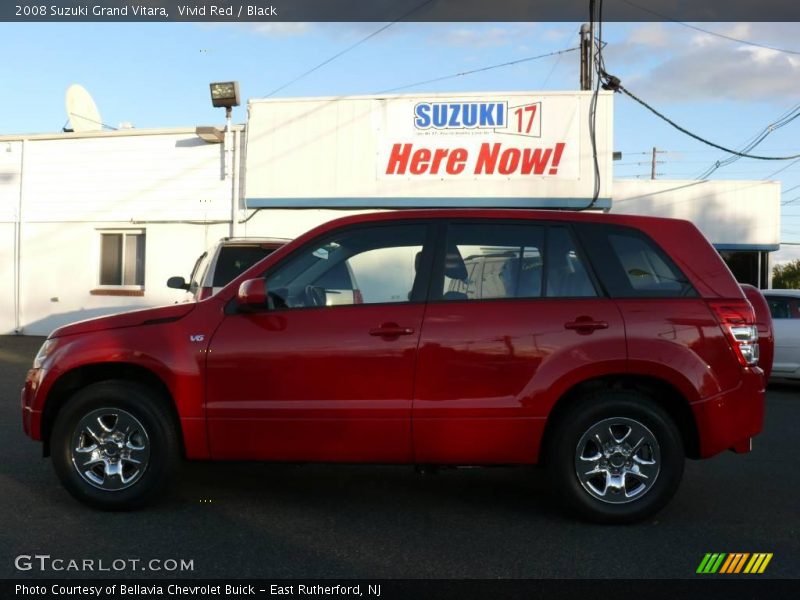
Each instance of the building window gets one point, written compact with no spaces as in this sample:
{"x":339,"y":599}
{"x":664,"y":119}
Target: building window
{"x":122,"y":258}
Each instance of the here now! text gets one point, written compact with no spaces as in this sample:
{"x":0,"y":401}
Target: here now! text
{"x":491,"y":159}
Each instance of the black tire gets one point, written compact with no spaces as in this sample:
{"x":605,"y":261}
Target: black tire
{"x":153,"y":435}
{"x":580,"y":469}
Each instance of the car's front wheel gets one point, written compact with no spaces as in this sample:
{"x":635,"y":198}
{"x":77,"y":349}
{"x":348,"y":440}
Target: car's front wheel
{"x":114,"y":445}
{"x":615,"y":457}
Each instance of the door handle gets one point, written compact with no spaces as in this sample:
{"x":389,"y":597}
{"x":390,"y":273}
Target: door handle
{"x":391,"y":330}
{"x":585,"y":325}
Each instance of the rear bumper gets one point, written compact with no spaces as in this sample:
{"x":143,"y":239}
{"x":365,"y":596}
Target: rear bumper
{"x":731,"y":419}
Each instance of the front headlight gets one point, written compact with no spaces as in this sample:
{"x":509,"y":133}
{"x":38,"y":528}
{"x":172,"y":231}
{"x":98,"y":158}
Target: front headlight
{"x":42,"y":354}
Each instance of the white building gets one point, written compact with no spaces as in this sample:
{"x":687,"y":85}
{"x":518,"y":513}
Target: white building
{"x":95,"y":223}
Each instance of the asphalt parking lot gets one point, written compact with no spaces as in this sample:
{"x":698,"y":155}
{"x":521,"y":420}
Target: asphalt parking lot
{"x":318,"y":521}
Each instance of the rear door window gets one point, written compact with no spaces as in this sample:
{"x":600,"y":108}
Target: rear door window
{"x":484,"y":261}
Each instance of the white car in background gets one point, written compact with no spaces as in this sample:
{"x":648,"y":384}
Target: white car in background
{"x":222,"y":263}
{"x":784,"y":305}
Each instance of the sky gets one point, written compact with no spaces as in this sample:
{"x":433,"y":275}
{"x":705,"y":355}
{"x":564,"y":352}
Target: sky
{"x":157,"y":75}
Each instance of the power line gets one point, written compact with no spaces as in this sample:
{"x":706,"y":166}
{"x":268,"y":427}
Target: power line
{"x":771,"y":175}
{"x":794,"y":187}
{"x":482,"y":69}
{"x":555,"y":64}
{"x":552,"y":70}
{"x":710,"y":151}
{"x":348,"y":49}
{"x":614,"y":83}
{"x":714,"y":33}
{"x":783,"y":120}
{"x":681,"y":161}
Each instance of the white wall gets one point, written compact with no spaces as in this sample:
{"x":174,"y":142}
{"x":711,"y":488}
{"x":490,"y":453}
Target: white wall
{"x":729,"y":213}
{"x":10,"y":157}
{"x":124,"y":178}
{"x":290,"y":223}
{"x":6,"y":277}
{"x":171,"y":185}
{"x":61,"y":266}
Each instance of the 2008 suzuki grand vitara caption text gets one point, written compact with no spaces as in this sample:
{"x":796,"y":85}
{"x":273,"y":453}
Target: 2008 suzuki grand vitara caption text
{"x":606,"y":347}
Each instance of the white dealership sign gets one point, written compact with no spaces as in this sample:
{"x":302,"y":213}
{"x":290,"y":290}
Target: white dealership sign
{"x":503,"y":137}
{"x":474,"y":149}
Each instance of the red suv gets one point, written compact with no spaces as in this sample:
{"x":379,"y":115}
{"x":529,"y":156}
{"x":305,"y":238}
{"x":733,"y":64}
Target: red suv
{"x":606,"y":347}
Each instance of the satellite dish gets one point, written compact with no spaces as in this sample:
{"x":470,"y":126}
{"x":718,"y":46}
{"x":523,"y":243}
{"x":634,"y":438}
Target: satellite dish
{"x":81,"y":110}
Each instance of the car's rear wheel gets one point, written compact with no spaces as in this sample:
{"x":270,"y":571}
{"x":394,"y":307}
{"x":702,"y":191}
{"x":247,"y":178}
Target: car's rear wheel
{"x":615,"y":457}
{"x":114,"y":445}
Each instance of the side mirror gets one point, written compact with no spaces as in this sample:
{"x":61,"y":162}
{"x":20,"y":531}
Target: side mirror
{"x":177,"y":283}
{"x":252,"y":293}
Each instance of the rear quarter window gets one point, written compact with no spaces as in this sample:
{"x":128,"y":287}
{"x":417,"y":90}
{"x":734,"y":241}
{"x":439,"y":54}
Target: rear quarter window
{"x":631,"y":265}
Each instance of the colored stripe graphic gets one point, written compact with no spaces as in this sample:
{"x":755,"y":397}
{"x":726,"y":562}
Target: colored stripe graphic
{"x":703,"y":563}
{"x":727,"y":563}
{"x":734,"y":563}
{"x":741,"y":562}
{"x":711,"y":563}
{"x":723,"y":563}
{"x":758,"y":563}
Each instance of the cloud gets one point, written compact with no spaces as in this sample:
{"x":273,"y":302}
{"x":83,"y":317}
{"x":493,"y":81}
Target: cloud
{"x":280,"y":29}
{"x":276,"y":29}
{"x":674,"y":63}
{"x":476,"y":39}
{"x":746,"y":74}
{"x":484,"y":36}
{"x":651,"y":34}
{"x":567,"y":34}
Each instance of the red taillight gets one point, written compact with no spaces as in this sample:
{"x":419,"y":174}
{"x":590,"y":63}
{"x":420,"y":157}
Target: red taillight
{"x":357,"y":297}
{"x":738,"y":320}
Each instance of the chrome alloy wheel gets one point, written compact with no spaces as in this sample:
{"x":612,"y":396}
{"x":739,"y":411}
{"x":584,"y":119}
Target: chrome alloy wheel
{"x":110,"y":449}
{"x":617,"y":460}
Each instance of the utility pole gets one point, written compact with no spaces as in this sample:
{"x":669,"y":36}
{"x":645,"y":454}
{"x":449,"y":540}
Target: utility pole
{"x":586,"y":56}
{"x":654,"y":162}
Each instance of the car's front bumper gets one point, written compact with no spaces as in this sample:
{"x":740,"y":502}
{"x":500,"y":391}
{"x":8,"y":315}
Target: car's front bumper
{"x":31,"y":419}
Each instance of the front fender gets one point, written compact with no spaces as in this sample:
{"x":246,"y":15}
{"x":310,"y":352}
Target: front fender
{"x":173,"y":352}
